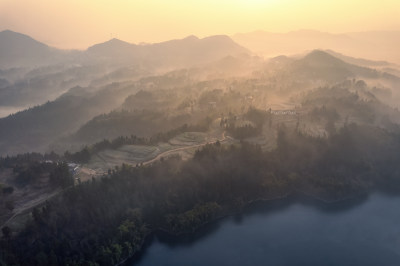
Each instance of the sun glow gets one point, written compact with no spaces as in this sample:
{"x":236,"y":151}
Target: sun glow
{"x":78,"y":24}
{"x":259,"y":3}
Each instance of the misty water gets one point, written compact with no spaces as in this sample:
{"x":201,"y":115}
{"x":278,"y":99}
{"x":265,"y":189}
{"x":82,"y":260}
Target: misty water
{"x":291,"y":232}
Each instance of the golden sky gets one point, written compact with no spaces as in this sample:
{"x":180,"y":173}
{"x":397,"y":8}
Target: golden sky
{"x":81,"y":23}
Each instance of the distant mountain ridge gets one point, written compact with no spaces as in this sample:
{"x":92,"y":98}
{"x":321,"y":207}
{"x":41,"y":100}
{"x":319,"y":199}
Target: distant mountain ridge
{"x":323,"y":65}
{"x":19,"y":50}
{"x":110,"y":46}
{"x":376,"y":45}
{"x":174,"y":53}
{"x":358,"y":61}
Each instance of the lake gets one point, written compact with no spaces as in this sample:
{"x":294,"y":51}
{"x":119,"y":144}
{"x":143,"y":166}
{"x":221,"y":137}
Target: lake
{"x":290,"y":232}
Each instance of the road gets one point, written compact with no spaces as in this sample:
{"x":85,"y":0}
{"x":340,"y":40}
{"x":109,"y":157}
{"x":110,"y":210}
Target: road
{"x":148,"y":162}
{"x":30,"y":205}
{"x":169,"y":152}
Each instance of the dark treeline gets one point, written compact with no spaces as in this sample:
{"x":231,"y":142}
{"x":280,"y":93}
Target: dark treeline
{"x":30,"y":168}
{"x":329,"y":114}
{"x":84,"y":155}
{"x":138,"y":122}
{"x":256,"y":117}
{"x":339,"y":101}
{"x":28,"y":176}
{"x":58,"y":173}
{"x":26,"y":158}
{"x":103,"y":221}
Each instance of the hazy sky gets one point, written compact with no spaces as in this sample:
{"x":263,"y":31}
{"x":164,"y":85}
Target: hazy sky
{"x":81,"y":23}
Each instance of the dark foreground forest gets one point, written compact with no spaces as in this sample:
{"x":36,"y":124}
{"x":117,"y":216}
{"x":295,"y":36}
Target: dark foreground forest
{"x":104,"y":221}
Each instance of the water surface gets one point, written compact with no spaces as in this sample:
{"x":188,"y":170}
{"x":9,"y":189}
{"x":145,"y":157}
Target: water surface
{"x":291,"y":232}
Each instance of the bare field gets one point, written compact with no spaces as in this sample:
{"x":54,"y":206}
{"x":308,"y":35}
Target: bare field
{"x":188,"y":139}
{"x":135,"y":154}
{"x":184,"y":144}
{"x":128,"y":154}
{"x":23,"y":198}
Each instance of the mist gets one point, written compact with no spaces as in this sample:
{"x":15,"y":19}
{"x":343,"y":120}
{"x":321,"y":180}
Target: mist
{"x":174,"y":133}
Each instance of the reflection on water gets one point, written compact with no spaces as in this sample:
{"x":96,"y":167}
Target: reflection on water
{"x":296,"y":231}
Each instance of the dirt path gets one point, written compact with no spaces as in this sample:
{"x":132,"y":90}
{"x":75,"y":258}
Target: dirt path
{"x":31,"y":204}
{"x":40,"y":200}
{"x":166,"y":153}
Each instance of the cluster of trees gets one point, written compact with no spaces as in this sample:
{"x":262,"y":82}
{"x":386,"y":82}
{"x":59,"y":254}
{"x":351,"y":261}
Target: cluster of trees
{"x":60,"y":175}
{"x":57,"y":173}
{"x":36,"y":174}
{"x":103,"y":221}
{"x":12,"y":161}
{"x":138,"y":122}
{"x":339,"y":101}
{"x":6,"y":189}
{"x":242,"y":132}
{"x":255,"y":116}
{"x":329,"y":114}
{"x":29,"y":168}
{"x":6,"y":203}
{"x":191,"y":220}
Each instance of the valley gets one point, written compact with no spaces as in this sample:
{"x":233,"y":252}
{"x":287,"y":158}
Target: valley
{"x":123,"y":140}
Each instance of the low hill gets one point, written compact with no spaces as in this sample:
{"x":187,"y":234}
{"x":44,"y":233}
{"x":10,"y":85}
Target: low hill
{"x":35,"y":128}
{"x":322,"y":65}
{"x":19,"y":50}
{"x":175,"y":53}
{"x":376,"y":45}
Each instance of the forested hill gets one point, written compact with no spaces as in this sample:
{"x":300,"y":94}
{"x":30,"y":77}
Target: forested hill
{"x":102,"y":222}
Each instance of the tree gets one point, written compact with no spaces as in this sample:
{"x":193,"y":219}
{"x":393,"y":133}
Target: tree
{"x":330,"y":126}
{"x":6,"y":231}
{"x":61,"y":176}
{"x":8,"y":190}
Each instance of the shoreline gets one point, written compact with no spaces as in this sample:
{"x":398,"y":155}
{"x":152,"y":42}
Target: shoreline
{"x":293,"y":197}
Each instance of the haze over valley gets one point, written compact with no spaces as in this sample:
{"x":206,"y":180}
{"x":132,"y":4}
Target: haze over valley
{"x":151,"y":148}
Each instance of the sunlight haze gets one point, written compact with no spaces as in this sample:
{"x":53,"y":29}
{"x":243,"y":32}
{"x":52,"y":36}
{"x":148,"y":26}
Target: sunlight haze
{"x":79,"y":24}
{"x":199,"y":132}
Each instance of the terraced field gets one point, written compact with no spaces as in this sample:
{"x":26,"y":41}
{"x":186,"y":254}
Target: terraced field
{"x":189,"y":138}
{"x":135,"y":154}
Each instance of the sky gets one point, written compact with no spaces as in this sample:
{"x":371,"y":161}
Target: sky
{"x":78,"y":24}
